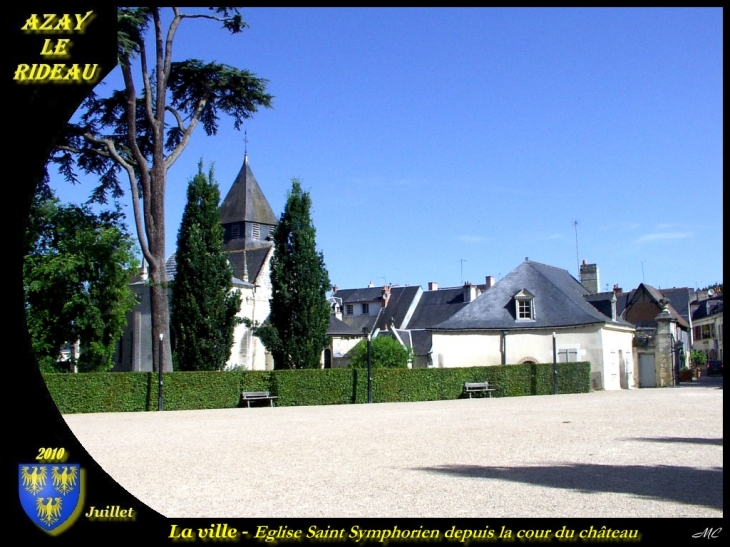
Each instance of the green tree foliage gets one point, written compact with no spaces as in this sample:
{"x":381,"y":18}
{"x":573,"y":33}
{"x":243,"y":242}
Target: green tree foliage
{"x":296,"y":332}
{"x":385,"y":352}
{"x":76,"y":276}
{"x":204,"y":307}
{"x":698,"y":358}
{"x":139,"y":131}
{"x":717,"y":287}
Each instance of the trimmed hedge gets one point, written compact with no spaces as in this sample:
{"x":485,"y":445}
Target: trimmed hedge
{"x":138,"y":391}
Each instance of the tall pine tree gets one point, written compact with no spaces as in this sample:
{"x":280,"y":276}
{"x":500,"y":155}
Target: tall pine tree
{"x":203,"y":305}
{"x":296,"y":331}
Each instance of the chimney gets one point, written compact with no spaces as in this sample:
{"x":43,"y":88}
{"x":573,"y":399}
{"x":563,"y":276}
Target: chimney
{"x":490,"y":281}
{"x":589,"y":277}
{"x":143,"y":271}
{"x":613,"y":306}
{"x":470,"y":292}
{"x":385,"y":295}
{"x":617,"y":290}
{"x":334,"y":290}
{"x":433,"y":286}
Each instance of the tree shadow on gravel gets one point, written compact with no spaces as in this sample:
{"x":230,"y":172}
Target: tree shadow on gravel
{"x":690,"y":440}
{"x":661,"y":482}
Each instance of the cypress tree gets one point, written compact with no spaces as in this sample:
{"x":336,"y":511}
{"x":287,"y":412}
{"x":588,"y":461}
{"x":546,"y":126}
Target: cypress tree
{"x":203,"y":305}
{"x":296,"y":331}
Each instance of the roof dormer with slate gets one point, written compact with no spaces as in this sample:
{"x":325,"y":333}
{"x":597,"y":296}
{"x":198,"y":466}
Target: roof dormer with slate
{"x":532,"y":296}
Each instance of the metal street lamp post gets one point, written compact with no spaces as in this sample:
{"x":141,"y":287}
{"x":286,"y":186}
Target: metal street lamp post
{"x":159,"y":392}
{"x":370,"y":365}
{"x":555,"y":364}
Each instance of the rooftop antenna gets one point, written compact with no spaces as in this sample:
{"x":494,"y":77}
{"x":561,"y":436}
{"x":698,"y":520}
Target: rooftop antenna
{"x":462,"y":260}
{"x":577,"y":255}
{"x":385,"y":281}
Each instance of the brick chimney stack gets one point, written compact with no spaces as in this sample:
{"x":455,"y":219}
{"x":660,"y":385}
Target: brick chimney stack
{"x":470,"y":292}
{"x":589,"y":277}
{"x":385,"y":295}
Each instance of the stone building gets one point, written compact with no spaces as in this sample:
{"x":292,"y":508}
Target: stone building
{"x":247,"y":220}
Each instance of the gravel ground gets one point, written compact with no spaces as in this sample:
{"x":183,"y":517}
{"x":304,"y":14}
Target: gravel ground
{"x":638,"y":453}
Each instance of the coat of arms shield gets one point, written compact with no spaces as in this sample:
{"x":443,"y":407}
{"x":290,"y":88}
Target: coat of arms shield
{"x":51,"y":494}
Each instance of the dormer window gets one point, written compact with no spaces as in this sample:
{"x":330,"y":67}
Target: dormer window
{"x":366,"y":309}
{"x":524,"y":306}
{"x":349,"y":309}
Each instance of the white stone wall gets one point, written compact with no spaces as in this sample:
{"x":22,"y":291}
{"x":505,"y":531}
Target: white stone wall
{"x":618,"y":369}
{"x":247,"y":351}
{"x":599,"y":346}
{"x":341,"y":347}
{"x":708,"y":344}
{"x":466,"y":349}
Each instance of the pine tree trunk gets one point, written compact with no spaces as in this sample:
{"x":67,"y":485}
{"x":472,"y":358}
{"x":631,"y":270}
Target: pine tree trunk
{"x":160,"y":315}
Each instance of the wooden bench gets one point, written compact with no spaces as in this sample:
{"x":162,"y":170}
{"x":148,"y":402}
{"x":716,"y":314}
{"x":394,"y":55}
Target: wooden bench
{"x":249,"y":396}
{"x":477,"y":387}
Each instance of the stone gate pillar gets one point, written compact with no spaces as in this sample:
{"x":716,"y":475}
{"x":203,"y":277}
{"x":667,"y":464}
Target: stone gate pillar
{"x":664,"y":344}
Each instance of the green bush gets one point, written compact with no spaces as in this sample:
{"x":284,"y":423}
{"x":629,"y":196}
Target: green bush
{"x":138,"y":391}
{"x":385,"y":352}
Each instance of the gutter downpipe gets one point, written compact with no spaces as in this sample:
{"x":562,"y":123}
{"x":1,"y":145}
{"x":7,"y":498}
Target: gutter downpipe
{"x":555,"y":364}
{"x":504,"y":347}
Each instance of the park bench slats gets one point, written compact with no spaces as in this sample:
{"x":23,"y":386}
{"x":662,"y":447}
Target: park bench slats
{"x":478,"y":387}
{"x":249,"y":396}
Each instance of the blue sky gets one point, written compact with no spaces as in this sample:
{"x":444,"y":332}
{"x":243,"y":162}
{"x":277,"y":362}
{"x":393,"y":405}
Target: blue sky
{"x":449,"y":144}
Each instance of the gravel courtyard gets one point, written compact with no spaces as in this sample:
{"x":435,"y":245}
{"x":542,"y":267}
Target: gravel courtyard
{"x":638,"y":453}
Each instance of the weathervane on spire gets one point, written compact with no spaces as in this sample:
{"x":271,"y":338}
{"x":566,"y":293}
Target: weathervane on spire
{"x":245,"y":145}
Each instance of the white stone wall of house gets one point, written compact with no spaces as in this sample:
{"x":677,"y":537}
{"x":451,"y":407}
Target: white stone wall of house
{"x":340,"y":347}
{"x":607,"y":349}
{"x":712,"y":346}
{"x":618,"y":371}
{"x":466,"y":349}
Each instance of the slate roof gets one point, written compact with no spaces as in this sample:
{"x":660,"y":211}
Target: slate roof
{"x":255,"y":259}
{"x":400,"y":302}
{"x":338,"y":328}
{"x":602,"y":302}
{"x":708,"y":307}
{"x":171,"y":270}
{"x":171,"y":267}
{"x":245,"y":201}
{"x":366,"y":294}
{"x":437,"y":306}
{"x":419,"y":340}
{"x":559,"y":301}
{"x":657,"y":295}
{"x":680,"y":299}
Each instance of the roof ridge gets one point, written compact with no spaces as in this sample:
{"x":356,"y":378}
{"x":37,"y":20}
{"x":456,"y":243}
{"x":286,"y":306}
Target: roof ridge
{"x":547,"y":265}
